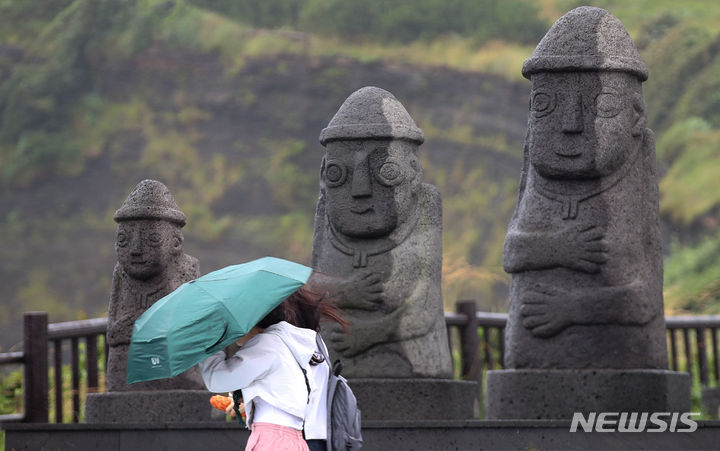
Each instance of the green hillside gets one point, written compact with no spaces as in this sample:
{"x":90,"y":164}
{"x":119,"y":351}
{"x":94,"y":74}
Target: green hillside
{"x":224,"y":100}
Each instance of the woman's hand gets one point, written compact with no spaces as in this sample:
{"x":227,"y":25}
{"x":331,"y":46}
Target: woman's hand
{"x":230,"y":410}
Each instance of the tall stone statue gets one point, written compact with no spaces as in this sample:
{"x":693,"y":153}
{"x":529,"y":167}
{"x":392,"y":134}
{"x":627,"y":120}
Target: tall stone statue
{"x":378,"y":233}
{"x":378,"y":227}
{"x":583,"y":246}
{"x":151,"y":264}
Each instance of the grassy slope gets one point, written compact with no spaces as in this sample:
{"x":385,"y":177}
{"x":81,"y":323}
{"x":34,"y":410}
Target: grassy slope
{"x":134,"y":118}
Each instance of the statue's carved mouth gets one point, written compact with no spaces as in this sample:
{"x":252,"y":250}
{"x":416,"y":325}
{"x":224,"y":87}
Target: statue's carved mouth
{"x":138,"y":262}
{"x":361,"y":210}
{"x":568,"y":153}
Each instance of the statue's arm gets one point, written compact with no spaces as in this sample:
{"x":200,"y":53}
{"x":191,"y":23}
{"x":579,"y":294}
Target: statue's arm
{"x":547,"y":310}
{"x":580,"y":247}
{"x":120,"y":325}
{"x":417,"y":314}
{"x":415,"y":317}
{"x":526,"y":251}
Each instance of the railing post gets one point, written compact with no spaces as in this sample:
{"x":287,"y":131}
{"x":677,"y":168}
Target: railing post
{"x":91,"y":359}
{"x":35,"y":350}
{"x":75,"y":372}
{"x":702,"y":355}
{"x":715,"y":356}
{"x":468,"y":340}
{"x":57,"y":348}
{"x":688,"y":352}
{"x":673,"y":349}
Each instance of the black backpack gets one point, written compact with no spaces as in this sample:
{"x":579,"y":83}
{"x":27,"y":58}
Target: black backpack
{"x":343,"y":432}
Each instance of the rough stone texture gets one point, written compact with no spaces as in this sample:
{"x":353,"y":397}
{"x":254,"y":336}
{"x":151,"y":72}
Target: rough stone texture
{"x":583,"y":246}
{"x":151,"y":264}
{"x":415,"y":399}
{"x":586,"y":38}
{"x":377,"y":436}
{"x":556,"y":394}
{"x":151,"y":407}
{"x":710,"y":401}
{"x":378,"y":229}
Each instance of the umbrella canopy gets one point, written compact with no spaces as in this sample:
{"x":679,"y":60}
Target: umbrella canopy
{"x":205,"y":315}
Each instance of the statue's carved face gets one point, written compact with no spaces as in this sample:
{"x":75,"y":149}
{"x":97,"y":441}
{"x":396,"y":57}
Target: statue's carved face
{"x":371,"y":186}
{"x":146,"y":247}
{"x":584,"y":125}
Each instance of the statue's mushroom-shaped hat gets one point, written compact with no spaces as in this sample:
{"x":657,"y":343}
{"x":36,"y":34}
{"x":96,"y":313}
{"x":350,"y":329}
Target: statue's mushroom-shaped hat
{"x":371,"y":113}
{"x":150,"y":200}
{"x":585,"y":39}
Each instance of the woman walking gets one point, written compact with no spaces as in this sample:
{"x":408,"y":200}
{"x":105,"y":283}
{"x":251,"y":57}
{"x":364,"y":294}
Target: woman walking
{"x":282,"y":374}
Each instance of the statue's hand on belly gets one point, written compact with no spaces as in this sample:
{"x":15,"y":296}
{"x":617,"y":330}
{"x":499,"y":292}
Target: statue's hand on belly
{"x":363,"y":291}
{"x":362,"y":335}
{"x":583,"y":247}
{"x":547,"y":310}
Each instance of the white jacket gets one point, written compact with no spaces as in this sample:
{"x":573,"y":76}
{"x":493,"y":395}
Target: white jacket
{"x":268,"y":367}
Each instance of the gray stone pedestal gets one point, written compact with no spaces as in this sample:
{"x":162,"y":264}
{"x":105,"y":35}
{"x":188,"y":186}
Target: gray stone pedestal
{"x":415,"y":399}
{"x":556,"y":394}
{"x":151,"y":407}
{"x":434,"y":435}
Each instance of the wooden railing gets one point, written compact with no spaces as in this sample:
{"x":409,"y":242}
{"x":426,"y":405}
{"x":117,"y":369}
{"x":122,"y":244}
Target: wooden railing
{"x":37,"y":335}
{"x":692,"y":343}
{"x":688,"y":349}
{"x":476,"y":339}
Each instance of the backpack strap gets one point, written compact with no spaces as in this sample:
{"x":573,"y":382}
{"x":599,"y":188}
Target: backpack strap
{"x":330,"y":387}
{"x":237,"y":399}
{"x":336,"y":367}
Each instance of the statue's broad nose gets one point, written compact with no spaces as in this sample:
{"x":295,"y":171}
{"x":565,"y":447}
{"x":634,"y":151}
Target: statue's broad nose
{"x":136,"y":245}
{"x":361,"y":185}
{"x":572,"y":118}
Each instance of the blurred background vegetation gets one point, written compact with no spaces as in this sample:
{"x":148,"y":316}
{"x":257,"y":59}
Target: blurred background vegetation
{"x":223,"y":101}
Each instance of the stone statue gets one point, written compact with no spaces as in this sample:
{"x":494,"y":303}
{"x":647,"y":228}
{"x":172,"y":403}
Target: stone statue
{"x":378,"y":228}
{"x":151,"y":264}
{"x":583,"y":246}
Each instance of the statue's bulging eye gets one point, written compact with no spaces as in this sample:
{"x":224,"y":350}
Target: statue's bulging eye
{"x":335,"y":174}
{"x":542,"y":103}
{"x":122,"y":239}
{"x":390,"y":173}
{"x":154,"y":239}
{"x":608,"y":104}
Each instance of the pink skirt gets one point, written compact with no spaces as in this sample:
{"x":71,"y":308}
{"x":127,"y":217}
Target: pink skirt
{"x":273,"y":437}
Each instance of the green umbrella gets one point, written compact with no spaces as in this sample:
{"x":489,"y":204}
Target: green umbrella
{"x":205,"y":315}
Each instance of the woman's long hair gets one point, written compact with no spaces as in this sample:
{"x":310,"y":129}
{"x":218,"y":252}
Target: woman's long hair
{"x":306,"y":308}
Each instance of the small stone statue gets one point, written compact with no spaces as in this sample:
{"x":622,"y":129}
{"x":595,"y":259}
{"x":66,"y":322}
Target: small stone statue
{"x":378,"y":228}
{"x":583,"y":246}
{"x":151,"y":264}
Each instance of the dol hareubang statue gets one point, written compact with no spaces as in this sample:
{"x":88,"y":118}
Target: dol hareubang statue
{"x":585,"y":330}
{"x":584,"y":245}
{"x":378,"y":227}
{"x":151,"y":264}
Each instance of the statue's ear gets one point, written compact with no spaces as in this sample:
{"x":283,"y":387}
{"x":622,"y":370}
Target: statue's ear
{"x":177,"y":241}
{"x":639,"y":118}
{"x":322,"y":173}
